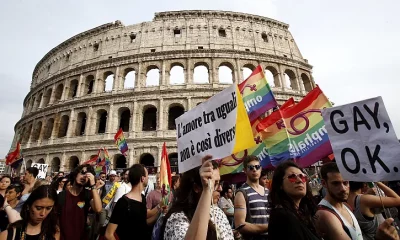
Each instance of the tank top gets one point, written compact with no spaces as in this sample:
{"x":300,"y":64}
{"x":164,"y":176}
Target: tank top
{"x":18,"y":231}
{"x":355,"y":231}
{"x":368,"y":226}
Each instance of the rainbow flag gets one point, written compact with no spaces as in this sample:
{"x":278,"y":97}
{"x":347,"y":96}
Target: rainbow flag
{"x":300,"y":132}
{"x":14,"y":159}
{"x":165,"y":176}
{"x":93,"y":161}
{"x":120,"y":141}
{"x":233,"y":163}
{"x":257,"y":94}
{"x":103,"y":163}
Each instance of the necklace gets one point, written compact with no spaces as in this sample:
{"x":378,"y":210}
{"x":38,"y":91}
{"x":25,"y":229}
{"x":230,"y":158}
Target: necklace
{"x":23,"y":235}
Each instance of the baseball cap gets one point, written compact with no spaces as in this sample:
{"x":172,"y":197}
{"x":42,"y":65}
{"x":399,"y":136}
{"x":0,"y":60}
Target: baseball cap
{"x":112,"y":172}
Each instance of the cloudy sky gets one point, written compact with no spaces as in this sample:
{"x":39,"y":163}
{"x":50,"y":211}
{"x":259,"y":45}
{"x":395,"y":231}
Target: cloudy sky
{"x":353,"y":45}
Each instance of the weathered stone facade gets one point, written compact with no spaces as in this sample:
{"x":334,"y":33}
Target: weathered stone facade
{"x":68,"y":114}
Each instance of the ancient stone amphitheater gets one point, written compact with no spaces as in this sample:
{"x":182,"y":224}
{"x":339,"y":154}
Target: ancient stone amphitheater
{"x":141,"y":77}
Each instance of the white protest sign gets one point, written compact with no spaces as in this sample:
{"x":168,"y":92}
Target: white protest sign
{"x":42,"y":170}
{"x":363,"y":140}
{"x":210,"y":128}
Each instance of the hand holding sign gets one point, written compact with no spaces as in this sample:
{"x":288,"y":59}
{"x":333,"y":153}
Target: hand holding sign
{"x":363,"y":141}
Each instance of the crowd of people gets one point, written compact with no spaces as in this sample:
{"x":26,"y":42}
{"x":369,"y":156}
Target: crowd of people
{"x":118,"y":205}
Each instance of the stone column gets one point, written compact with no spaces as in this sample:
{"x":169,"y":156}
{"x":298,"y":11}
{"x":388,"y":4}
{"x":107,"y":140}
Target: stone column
{"x":47,"y":161}
{"x":56,"y":126}
{"x":158,"y":158}
{"x":72,"y":123}
{"x":63,"y":162}
{"x":188,"y":71}
{"x":83,"y":158}
{"x":300,"y":81}
{"x":213,"y":73}
{"x":53,"y":93}
{"x":133,"y":126}
{"x":161,"y":126}
{"x":239,"y":72}
{"x":64,"y":94}
{"x":139,"y":77}
{"x":42,"y":129}
{"x":189,"y":103}
{"x":81,"y":86}
{"x":110,"y":119}
{"x":164,"y":75}
{"x":130,"y":160}
{"x":89,"y":123}
{"x":282,"y":76}
{"x":117,"y":81}
{"x":41,"y":101}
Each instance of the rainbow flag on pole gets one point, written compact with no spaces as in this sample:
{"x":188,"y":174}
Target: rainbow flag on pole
{"x":14,"y":159}
{"x":300,"y":133}
{"x":257,"y":94}
{"x":103,"y":162}
{"x":121,"y":142}
{"x":165,"y":176}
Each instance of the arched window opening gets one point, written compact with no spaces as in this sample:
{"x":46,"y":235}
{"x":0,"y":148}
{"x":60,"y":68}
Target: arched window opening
{"x":264,"y":36}
{"x":32,"y":104}
{"x":120,"y":161}
{"x":55,"y":164}
{"x":41,"y":161}
{"x":101,"y":121}
{"x":27,"y":133}
{"x":173,"y":160}
{"x":62,"y":132}
{"x":290,"y":79}
{"x":36,"y":131}
{"x":73,"y":163}
{"x":150,"y":119}
{"x":147,"y":160}
{"x":73,"y":89}
{"x":225,"y":74}
{"x":272,"y":76}
{"x":153,"y":76}
{"x":80,"y":124}
{"x":173,"y":113}
{"x":58,"y":93}
{"x":130,"y":79}
{"x":125,"y":118}
{"x":200,"y":74}
{"x":89,"y":84}
{"x":306,"y":82}
{"x":46,"y":97}
{"x":246,"y":72}
{"x":38,"y":100}
{"x":177,"y":75}
{"x":49,"y":128}
{"x":28,"y":163}
{"x":108,"y":81}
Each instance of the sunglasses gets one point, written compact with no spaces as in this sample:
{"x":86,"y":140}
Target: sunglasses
{"x":83,"y":172}
{"x":252,"y":167}
{"x":293,"y":177}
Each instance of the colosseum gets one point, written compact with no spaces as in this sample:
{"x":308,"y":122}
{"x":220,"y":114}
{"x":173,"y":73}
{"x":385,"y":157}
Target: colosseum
{"x":141,"y":77}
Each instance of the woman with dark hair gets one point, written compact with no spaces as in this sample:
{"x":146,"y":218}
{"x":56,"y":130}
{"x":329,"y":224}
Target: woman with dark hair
{"x":39,"y":219}
{"x":58,"y":184}
{"x":191,"y":215}
{"x":5,"y":181}
{"x":292,"y":206}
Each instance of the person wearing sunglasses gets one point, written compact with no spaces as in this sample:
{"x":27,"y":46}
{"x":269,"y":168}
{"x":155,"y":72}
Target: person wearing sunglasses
{"x":292,"y":205}
{"x":251,"y":203}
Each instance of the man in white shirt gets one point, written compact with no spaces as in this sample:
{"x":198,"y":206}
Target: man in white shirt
{"x":124,"y":188}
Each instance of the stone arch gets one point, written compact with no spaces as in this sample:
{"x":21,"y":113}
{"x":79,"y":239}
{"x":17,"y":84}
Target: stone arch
{"x":201,"y":73}
{"x":147,"y":160}
{"x":62,"y":131}
{"x":49,"y":128}
{"x":36,"y":131}
{"x":177,"y":73}
{"x":81,"y":124}
{"x":101,"y":120}
{"x":174,"y":111}
{"x":226,"y":73}
{"x":38,"y":100}
{"x":264,"y":37}
{"x":89,"y":84}
{"x":21,"y":135}
{"x":27,"y":133}
{"x":73,"y":163}
{"x":129,"y":78}
{"x":272,"y":76}
{"x":28,"y":163}
{"x":58,"y":93}
{"x":306,"y":82}
{"x":41,"y":161}
{"x":149,"y":118}
{"x":247,"y":70}
{"x":124,"y":118}
{"x":290,"y":77}
{"x":173,"y":160}
{"x":47,"y":97}
{"x":120,"y":161}
{"x":152,"y":76}
{"x":108,"y":77}
{"x":55,"y":164}
{"x":73,"y":89}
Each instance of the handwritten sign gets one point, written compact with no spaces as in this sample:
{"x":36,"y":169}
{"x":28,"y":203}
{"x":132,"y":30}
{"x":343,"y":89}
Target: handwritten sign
{"x":213,"y":128}
{"x":42,"y":170}
{"x":363,"y":141}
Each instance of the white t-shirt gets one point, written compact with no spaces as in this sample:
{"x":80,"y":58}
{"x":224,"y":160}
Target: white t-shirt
{"x":122,"y":190}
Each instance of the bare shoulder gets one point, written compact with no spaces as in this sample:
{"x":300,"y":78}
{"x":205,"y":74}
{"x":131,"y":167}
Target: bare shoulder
{"x":239,"y":199}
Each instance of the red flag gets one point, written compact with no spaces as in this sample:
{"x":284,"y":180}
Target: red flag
{"x":14,"y":156}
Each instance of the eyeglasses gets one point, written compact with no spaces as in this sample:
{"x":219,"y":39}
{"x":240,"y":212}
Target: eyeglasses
{"x":293,"y":177}
{"x":252,"y":167}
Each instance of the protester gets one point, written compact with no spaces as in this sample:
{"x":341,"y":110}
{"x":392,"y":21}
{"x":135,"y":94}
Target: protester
{"x":29,"y":180}
{"x":5,"y":181}
{"x":13,"y":194}
{"x":292,"y":206}
{"x":23,"y":199}
{"x":112,"y":179}
{"x":225,"y":203}
{"x":175,"y":181}
{"x":102,"y":190}
{"x":334,"y":219}
{"x":251,"y":203}
{"x":264,"y":179}
{"x":191,"y":215}
{"x":154,"y":197}
{"x":60,"y":174}
{"x":365,"y":207}
{"x":39,"y":218}
{"x":130,"y":216}
{"x":74,"y":203}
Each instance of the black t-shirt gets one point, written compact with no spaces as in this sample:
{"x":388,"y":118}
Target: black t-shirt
{"x":130,"y":216}
{"x":3,"y":220}
{"x":283,"y":224}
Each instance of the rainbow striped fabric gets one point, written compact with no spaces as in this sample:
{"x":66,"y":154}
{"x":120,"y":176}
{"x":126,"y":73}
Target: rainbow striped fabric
{"x":305,"y":138}
{"x":120,"y":141}
{"x":257,"y":95}
{"x":165,"y":176}
{"x":103,"y":162}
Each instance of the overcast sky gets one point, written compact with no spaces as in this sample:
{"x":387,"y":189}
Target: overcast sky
{"x":353,"y":45}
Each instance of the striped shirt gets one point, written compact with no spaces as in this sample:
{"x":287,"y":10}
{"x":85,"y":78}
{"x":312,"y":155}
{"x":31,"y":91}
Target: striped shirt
{"x":258,"y":205}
